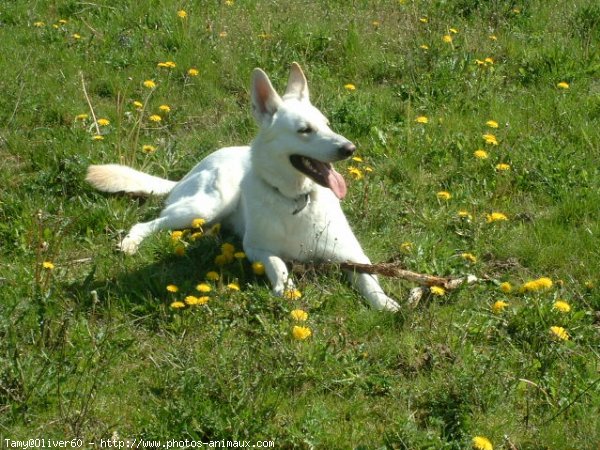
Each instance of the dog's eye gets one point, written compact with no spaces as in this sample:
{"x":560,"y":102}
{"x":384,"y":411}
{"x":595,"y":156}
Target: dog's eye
{"x":305,"y":130}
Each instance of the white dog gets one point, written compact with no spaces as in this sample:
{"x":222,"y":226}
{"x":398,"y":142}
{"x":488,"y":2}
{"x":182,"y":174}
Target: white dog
{"x":281,"y":195}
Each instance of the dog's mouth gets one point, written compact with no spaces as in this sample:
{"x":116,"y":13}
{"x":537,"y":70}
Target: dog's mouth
{"x":320,"y":172}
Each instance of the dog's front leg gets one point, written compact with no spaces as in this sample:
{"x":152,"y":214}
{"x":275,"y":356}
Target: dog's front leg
{"x":369,"y":287}
{"x":275,"y":268}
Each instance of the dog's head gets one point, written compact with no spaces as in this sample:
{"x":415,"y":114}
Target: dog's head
{"x":295,"y":130}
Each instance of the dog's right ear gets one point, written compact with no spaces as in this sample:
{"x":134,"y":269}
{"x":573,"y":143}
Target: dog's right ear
{"x":265,"y":100}
{"x":297,"y":86}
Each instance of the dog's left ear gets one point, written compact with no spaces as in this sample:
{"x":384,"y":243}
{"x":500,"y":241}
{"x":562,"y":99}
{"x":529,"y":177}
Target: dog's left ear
{"x":297,"y":86}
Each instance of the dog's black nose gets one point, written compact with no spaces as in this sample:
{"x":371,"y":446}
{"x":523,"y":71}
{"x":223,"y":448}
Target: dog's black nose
{"x":347,"y":149}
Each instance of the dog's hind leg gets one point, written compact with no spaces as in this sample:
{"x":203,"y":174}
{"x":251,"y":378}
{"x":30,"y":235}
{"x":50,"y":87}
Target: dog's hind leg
{"x":139,"y":232}
{"x":177,"y":215}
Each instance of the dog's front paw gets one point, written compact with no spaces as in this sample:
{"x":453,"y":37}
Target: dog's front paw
{"x":129,"y":245}
{"x":286,"y":290}
{"x":384,"y":303}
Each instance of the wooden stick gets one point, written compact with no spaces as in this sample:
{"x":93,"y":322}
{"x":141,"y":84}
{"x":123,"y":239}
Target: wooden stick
{"x":394,"y":270}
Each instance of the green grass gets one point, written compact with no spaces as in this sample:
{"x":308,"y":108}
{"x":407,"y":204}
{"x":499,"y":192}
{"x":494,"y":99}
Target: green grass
{"x":93,"y":347}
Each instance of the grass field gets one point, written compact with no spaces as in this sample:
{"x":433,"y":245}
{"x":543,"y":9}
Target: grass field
{"x":477,"y":122}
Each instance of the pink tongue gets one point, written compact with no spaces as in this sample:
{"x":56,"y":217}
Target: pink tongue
{"x":336,"y":183}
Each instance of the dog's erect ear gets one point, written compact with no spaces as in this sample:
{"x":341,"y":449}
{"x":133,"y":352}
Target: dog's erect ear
{"x":265,"y":101}
{"x":297,"y":86}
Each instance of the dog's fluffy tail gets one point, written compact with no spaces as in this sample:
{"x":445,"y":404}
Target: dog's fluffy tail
{"x":118,"y":178}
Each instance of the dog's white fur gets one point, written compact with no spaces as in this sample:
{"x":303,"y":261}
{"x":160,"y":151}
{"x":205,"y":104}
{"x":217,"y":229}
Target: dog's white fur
{"x":280,"y":213}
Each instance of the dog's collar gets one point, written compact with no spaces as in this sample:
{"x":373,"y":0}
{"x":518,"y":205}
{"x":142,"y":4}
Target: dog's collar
{"x":300,"y":202}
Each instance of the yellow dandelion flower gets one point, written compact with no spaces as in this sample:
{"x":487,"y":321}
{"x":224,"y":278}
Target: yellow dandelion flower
{"x":493,"y":37}
{"x":423,"y":19}
{"x":162,"y":65}
{"x":489,"y":61}
{"x":559,"y":333}
{"x":437,"y":290}
{"x":562,"y":306}
{"x":422,"y":119}
{"x":502,"y":167}
{"x":83,"y":116}
{"x":182,"y":14}
{"x":212,"y":276}
{"x":492,"y":124}
{"x":355,"y":173}
{"x":193,"y":72}
{"x":453,"y":30}
{"x":357,"y":159}
{"x":463,"y":214}
{"x":177,"y":305}
{"x":172,"y":288}
{"x":191,"y":300}
{"x":376,"y":23}
{"x":499,"y":306}
{"x":164,"y":108}
{"x":482,"y":443}
{"x":137,"y":104}
{"x":38,"y":24}
{"x":444,"y":195}
{"x":406,"y":246}
{"x":424,"y":47}
{"x":148,"y":148}
{"x":76,"y":36}
{"x":349,"y":87}
{"x":220,"y":260}
{"x":63,"y":21}
{"x":233,"y":287}
{"x":292,"y":294}
{"x":223,"y":34}
{"x":496,"y":217}
{"x":176,"y":235}
{"x":103,"y":122}
{"x":150,"y":84}
{"x":589,"y":284}
{"x":299,"y":315}
{"x":196,"y":235}
{"x":197,"y":223}
{"x":301,"y":333}
{"x":368,"y":169}
{"x":204,"y":287}
{"x":155,"y":118}
{"x":227,"y":248}
{"x":258,"y":268}
{"x":229,"y":2}
{"x":97,"y":137}
{"x":48,"y":265}
{"x":469,"y":257}
{"x":480,"y":154}
{"x":479,"y":62}
{"x":447,"y":39}
{"x":490,"y":139}
{"x":239,"y":255}
{"x":563,"y":85}
{"x":544,"y":282}
{"x":506,"y":287}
